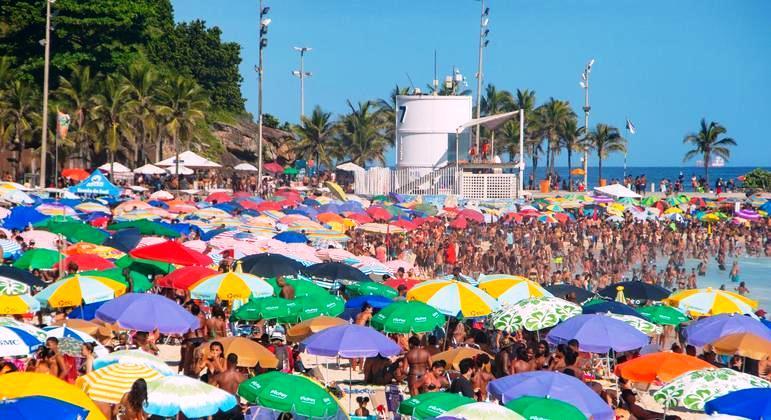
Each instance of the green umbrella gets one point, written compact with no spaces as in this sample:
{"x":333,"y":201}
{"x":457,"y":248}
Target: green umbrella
{"x":291,"y":171}
{"x":593,"y":301}
{"x":267,"y":308}
{"x":314,"y":306}
{"x":663,"y":315}
{"x":407,"y":317}
{"x":369,"y":288}
{"x":144,"y":267}
{"x":54,"y":220}
{"x":380,"y":198}
{"x":649,"y":201}
{"x":40,"y":258}
{"x":426,"y":208}
{"x":303,"y":287}
{"x":534,"y":314}
{"x":432,"y":404}
{"x":140,"y":283}
{"x":78,"y":232}
{"x":145,"y":227}
{"x":295,"y":394}
{"x":545,"y":409}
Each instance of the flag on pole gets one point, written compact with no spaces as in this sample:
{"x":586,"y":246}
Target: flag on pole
{"x":630,"y":126}
{"x":62,"y":124}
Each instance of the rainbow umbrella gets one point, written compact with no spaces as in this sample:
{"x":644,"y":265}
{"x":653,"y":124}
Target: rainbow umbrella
{"x":710,"y":301}
{"x":231,"y":286}
{"x":511,"y":289}
{"x":454,"y":298}
{"x":168,"y":396}
{"x":110,"y":383}
{"x":75,"y":290}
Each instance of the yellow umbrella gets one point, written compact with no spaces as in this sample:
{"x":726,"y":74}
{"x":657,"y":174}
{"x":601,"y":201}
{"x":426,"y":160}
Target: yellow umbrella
{"x":109,"y":383}
{"x":577,"y":171}
{"x":454,"y":356}
{"x":709,"y":301}
{"x":510,"y":289}
{"x":673,"y":210}
{"x":249,"y":352}
{"x":743,"y":344}
{"x":26,"y":384}
{"x":74,"y":290}
{"x":93,"y":249}
{"x":454,"y":298}
{"x":18,"y":304}
{"x":305,"y":329}
{"x":380,"y":228}
{"x":336,"y":190}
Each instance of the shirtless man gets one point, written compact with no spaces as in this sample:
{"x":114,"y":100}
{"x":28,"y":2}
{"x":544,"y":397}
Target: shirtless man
{"x":59,"y":368}
{"x":287,"y":290}
{"x":365,"y":316}
{"x":419,"y":360}
{"x":482,"y":377}
{"x":523,"y":362}
{"x":228,"y":381}
{"x":217,"y":326}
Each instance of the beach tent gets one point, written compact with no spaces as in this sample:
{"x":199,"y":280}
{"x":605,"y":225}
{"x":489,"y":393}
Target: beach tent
{"x":617,"y":191}
{"x":116,"y":167}
{"x":96,"y":184}
{"x":190,"y":160}
{"x":149,"y":169}
{"x":350,"y":167}
{"x":183,"y":170}
{"x":245,"y":167}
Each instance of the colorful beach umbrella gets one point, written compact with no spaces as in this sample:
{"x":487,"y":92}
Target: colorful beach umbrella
{"x":134,"y":357}
{"x":407,"y":318}
{"x":750,"y":403}
{"x":709,"y":301}
{"x":170,"y":395}
{"x":480,"y":411}
{"x":85,"y":262}
{"x":76,"y":290}
{"x":534,"y":314}
{"x":642,"y":325}
{"x":454,"y":298}
{"x":544,"y":408}
{"x":598,"y":334}
{"x":27,"y":384}
{"x":171,"y":252}
{"x":661,"y":366}
{"x":693,"y":389}
{"x":305,"y":329}
{"x":18,"y":304}
{"x":17,"y":342}
{"x":432,"y":404}
{"x":295,"y":394}
{"x":148,"y":312}
{"x":511,"y":289}
{"x":39,"y":258}
{"x":231,"y":286}
{"x":40,"y":408}
{"x":708,"y":330}
{"x":663,"y":315}
{"x":743,"y":344}
{"x":110,"y":383}
{"x":250,"y":353}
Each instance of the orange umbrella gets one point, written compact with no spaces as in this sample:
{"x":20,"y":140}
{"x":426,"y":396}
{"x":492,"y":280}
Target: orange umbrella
{"x":743,"y":344}
{"x":249,"y":352}
{"x":305,"y":329}
{"x":75,"y":174}
{"x":662,"y":366}
{"x":577,"y":171}
{"x":453,"y":357}
{"x":330,"y":217}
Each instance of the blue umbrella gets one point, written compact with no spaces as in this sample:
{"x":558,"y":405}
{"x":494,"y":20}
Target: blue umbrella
{"x":708,"y":330}
{"x":24,"y":276}
{"x":124,"y":240}
{"x":377,"y":302}
{"x":751,"y":403}
{"x":271,"y":265}
{"x":350,"y":341}
{"x":311,"y":202}
{"x":147,"y":312}
{"x":23,"y":216}
{"x":612,"y":307}
{"x":336,"y":271}
{"x":37,"y":407}
{"x":291,"y":237}
{"x":158,"y":203}
{"x":598,"y":334}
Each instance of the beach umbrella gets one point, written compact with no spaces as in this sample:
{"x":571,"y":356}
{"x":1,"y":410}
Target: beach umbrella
{"x":291,"y":237}
{"x":11,"y":287}
{"x":39,"y":258}
{"x":313,"y":306}
{"x":709,"y":301}
{"x":708,"y":330}
{"x":379,"y":213}
{"x":144,"y":267}
{"x":230,"y":286}
{"x":28,"y":384}
{"x":609,"y":306}
{"x":661,"y":366}
{"x":750,"y":403}
{"x":407,"y":318}
{"x":365,"y":288}
{"x":693,"y":389}
{"x":86,"y":248}
{"x":663,"y":315}
{"x":395,"y":283}
{"x":381,"y":228}
{"x":640,"y":324}
{"x":636,"y":290}
{"x":305,"y":329}
{"x":511,"y":289}
{"x":110,"y":383}
{"x":134,"y":357}
{"x":350,"y":341}
{"x":453,"y":357}
{"x":88,"y":327}
{"x":743,"y":344}
{"x":563,"y":290}
{"x":376,"y":301}
{"x":171,"y":395}
{"x":184,"y":277}
{"x":432,"y":404}
{"x":544,"y":408}
{"x":459,"y":223}
{"x":171,"y":252}
{"x":66,"y":332}
{"x":145,"y":227}
{"x":303,"y":287}
{"x":454,"y":298}
{"x":148,"y":312}
{"x":273,"y":167}
{"x":78,"y":232}
{"x":480,"y":411}
{"x":9,"y":273}
{"x":20,"y":325}
{"x":266,"y":308}
{"x":250,"y":353}
{"x":124,"y":240}
{"x":76,"y":290}
{"x":336,"y":271}
{"x":85,"y":262}
{"x":553,"y":385}
{"x":534,"y":314}
{"x":598,"y":334}
{"x":17,"y":342}
{"x":40,"y":408}
{"x":219,"y":196}
{"x":271,"y":265}
{"x":295,"y":394}
{"x":17,"y":304}
{"x":139,"y":282}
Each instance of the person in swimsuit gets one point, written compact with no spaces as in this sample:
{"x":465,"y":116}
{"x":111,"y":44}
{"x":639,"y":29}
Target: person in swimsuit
{"x":435,"y":380}
{"x":734,"y":276}
{"x":419,"y":360}
{"x":132,"y":405}
{"x":214,"y":363}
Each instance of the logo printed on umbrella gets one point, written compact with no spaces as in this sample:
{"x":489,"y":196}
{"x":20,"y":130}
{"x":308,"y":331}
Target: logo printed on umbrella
{"x":278,"y":394}
{"x":10,"y":342}
{"x":308,"y":400}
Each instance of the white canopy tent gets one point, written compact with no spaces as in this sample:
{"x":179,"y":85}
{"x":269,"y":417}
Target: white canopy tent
{"x":183,"y":170}
{"x":350,"y":167}
{"x":149,"y":169}
{"x":617,"y":191}
{"x":246,"y":167}
{"x":190,"y":160}
{"x":117,"y":167}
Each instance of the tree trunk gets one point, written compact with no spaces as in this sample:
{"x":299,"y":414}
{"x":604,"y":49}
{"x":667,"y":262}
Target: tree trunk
{"x":706,"y":169}
{"x":570,"y":169}
{"x":599,"y":169}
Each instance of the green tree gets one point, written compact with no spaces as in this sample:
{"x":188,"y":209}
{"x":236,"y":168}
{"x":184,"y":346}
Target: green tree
{"x":183,"y":107}
{"x":495,"y":102}
{"x":387,"y":112}
{"x":143,"y":86}
{"x":362,"y":136}
{"x":20,"y":103}
{"x":112,"y":119}
{"x":707,"y":142}
{"x":550,"y":117}
{"x":77,"y":95}
{"x":572,"y":137}
{"x":315,"y":137}
{"x":525,"y":100}
{"x":605,"y":139}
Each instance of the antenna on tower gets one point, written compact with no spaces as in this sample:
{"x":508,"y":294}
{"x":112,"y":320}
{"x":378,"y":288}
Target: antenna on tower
{"x":412,"y":85}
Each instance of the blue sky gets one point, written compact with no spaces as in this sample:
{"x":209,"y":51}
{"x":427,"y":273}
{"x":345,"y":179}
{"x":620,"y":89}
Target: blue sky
{"x":664,"y":64}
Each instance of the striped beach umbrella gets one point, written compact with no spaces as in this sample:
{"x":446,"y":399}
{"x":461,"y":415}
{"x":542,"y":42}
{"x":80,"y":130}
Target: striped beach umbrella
{"x":18,"y":304}
{"x":17,"y":342}
{"x":709,"y":301}
{"x":134,"y":357}
{"x":11,"y":248}
{"x":231,"y":286}
{"x":76,"y":289}
{"x":110,"y":383}
{"x":511,"y":289}
{"x":66,"y":332}
{"x":168,"y":396}
{"x":454,"y":298}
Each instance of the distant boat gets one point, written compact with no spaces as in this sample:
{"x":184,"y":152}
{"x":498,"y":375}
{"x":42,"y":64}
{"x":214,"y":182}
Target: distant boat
{"x":717,"y":162}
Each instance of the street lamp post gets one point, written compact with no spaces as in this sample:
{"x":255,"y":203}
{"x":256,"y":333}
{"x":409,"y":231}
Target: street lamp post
{"x":302,"y":74}
{"x":264,"y":22}
{"x":587,"y":108}
{"x":483,"y":41}
{"x":44,"y":136}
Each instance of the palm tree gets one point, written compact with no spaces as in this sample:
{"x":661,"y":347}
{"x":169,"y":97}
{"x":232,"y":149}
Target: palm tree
{"x":387,"y":112}
{"x":112,"y":119}
{"x":362,"y":136}
{"x":143,"y":85}
{"x":20,"y":102}
{"x":183,"y":107}
{"x":495,"y":102}
{"x":707,"y":143}
{"x":571,"y":136}
{"x":550,"y":117}
{"x":605,"y":139}
{"x":315,"y":136}
{"x":78,"y":95}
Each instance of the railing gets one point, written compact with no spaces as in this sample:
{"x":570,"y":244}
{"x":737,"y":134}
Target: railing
{"x":441,"y":181}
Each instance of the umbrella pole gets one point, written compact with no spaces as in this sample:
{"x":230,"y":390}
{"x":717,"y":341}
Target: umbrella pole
{"x":350,"y":385}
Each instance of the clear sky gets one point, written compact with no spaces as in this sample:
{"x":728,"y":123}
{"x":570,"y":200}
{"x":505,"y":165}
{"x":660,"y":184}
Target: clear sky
{"x":662,"y":63}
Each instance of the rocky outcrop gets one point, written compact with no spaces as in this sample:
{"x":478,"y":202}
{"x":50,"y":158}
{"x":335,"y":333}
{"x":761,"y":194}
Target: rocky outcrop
{"x":240,"y":142}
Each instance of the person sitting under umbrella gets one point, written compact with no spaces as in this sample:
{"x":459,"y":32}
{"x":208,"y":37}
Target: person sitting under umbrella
{"x":629,"y":399}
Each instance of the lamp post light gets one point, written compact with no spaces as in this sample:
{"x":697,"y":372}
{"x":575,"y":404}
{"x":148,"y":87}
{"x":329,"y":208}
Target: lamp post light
{"x":483,"y":41}
{"x":264,"y":22}
{"x":47,"y":62}
{"x":302,"y":74}
{"x":585,"y":85}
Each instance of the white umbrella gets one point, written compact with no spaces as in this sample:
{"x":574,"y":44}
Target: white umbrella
{"x":190,"y":160}
{"x":182,"y":170}
{"x":161,"y":195}
{"x":246,"y":167}
{"x":149,"y":169}
{"x":116,"y":167}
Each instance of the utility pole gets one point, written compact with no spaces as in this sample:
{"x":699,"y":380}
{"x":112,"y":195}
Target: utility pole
{"x":587,"y":108}
{"x":483,"y":41}
{"x":302,"y":74}
{"x":264,"y":22}
{"x":44,"y":136}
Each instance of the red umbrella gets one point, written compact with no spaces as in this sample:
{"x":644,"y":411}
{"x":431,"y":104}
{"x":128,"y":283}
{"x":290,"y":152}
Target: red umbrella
{"x":268,"y":205}
{"x":171,"y":252}
{"x":86,"y":262}
{"x":184,"y":277}
{"x":395,"y":283}
{"x":430,"y":219}
{"x":250,"y":205}
{"x":513,"y":216}
{"x":459,"y":223}
{"x":379,"y":213}
{"x":75,"y":174}
{"x":273,"y":167}
{"x":698,"y":201}
{"x":360,"y":218}
{"x":472,"y":215}
{"x":220,"y":197}
{"x":241,"y":194}
{"x":405,"y":224}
